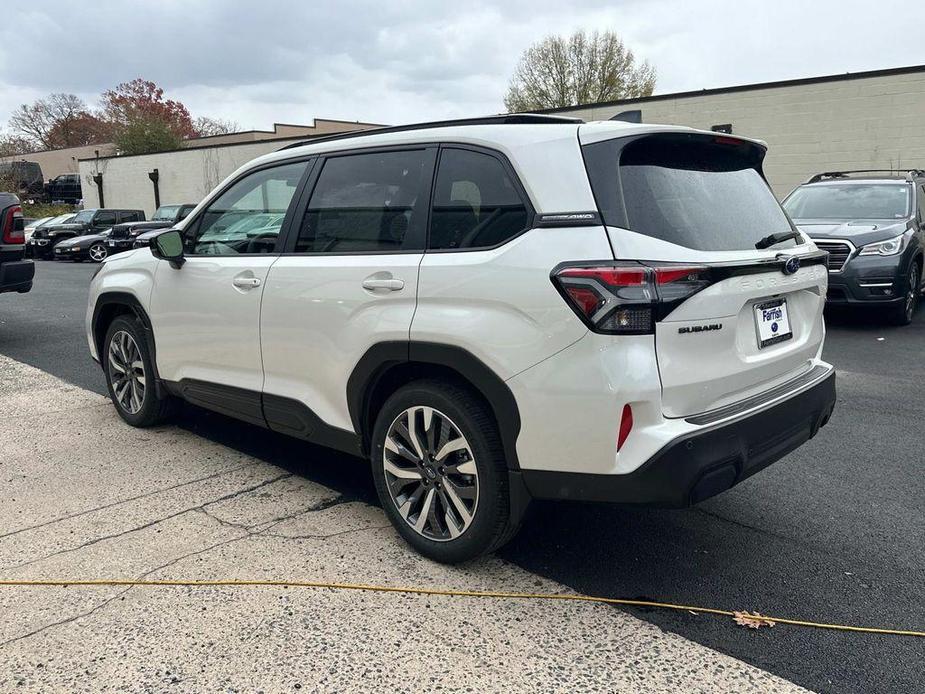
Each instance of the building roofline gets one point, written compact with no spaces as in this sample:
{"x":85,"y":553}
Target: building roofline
{"x":888,"y":72}
{"x":276,"y":127}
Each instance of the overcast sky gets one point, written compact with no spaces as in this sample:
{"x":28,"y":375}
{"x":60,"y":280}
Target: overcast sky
{"x":396,"y":61}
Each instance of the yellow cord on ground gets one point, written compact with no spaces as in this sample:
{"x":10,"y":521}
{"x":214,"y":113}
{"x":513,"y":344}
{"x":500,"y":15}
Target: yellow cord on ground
{"x":456,"y":593}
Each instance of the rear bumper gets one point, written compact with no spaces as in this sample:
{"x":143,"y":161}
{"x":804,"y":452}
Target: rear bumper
{"x":703,"y":463}
{"x":16,"y":276}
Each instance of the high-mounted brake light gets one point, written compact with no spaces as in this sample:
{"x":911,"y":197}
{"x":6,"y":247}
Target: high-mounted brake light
{"x":625,"y":298}
{"x":13,"y":229}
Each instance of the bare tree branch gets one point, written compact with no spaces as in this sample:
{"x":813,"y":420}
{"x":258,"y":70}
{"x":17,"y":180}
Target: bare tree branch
{"x":580,"y":69}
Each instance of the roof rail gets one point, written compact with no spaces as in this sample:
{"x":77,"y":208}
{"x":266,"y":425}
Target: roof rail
{"x":908,"y":173}
{"x":503,"y":119}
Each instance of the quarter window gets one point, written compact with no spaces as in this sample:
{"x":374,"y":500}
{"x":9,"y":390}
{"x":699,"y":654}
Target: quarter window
{"x":476,"y":204}
{"x":248,"y":216}
{"x":367,"y":203}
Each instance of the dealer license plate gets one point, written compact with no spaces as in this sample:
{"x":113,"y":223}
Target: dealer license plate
{"x":773,"y":322}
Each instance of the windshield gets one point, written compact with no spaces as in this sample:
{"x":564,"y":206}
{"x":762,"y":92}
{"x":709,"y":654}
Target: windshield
{"x":167,"y":212}
{"x":849,"y":201}
{"x":701,"y":192}
{"x":83,"y":216}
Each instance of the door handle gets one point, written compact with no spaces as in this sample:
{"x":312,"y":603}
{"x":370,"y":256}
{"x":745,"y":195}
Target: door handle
{"x":246,"y":282}
{"x":392,"y":285}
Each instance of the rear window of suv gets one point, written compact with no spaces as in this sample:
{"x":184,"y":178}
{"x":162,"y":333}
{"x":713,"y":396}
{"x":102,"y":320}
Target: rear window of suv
{"x":850,"y":201}
{"x":699,"y":191}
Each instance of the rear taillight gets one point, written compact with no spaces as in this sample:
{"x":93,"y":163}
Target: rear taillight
{"x":13,"y":227}
{"x":627,"y":298}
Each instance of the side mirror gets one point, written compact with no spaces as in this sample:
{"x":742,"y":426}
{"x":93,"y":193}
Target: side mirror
{"x":169,"y":246}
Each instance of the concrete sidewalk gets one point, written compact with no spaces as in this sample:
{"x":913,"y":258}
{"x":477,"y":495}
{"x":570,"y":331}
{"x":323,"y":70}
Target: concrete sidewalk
{"x":85,"y":496}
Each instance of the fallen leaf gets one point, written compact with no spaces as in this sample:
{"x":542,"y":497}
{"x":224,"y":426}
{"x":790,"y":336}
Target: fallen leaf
{"x":752,"y":620}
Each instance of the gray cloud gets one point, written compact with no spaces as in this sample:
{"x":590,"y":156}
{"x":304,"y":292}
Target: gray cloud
{"x":403,"y":61}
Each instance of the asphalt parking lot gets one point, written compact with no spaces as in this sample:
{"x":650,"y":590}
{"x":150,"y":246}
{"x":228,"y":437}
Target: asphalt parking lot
{"x":833,"y":533}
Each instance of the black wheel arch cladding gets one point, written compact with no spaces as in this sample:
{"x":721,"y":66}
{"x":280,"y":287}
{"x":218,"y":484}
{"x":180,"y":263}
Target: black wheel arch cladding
{"x":372,"y":371}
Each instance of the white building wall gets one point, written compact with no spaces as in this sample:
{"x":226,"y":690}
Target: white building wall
{"x":185,"y":175}
{"x":853,"y":123}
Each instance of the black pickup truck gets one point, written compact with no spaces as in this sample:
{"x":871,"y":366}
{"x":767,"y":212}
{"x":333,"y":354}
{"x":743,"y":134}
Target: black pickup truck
{"x":16,"y":272}
{"x":84,"y":223}
{"x":123,"y":236}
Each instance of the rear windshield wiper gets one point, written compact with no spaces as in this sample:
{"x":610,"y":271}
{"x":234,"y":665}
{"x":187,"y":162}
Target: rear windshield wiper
{"x":774,"y":239}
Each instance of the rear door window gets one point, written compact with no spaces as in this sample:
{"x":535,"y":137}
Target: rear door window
{"x":368,"y":203}
{"x":699,"y":191}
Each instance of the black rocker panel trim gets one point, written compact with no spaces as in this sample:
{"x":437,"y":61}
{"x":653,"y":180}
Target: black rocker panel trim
{"x":381,"y":357}
{"x":239,"y":403}
{"x":283,"y":415}
{"x":294,"y":418}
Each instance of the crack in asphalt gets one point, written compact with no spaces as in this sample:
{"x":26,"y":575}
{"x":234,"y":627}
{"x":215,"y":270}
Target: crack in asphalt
{"x":247,"y":534}
{"x":109,"y":600}
{"x":259,"y":528}
{"x":113,"y":504}
{"x":150,"y":524}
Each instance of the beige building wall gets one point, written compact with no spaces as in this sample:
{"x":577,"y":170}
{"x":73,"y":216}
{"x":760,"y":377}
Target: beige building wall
{"x":59,"y":161}
{"x":184,"y":175}
{"x":857,"y":121}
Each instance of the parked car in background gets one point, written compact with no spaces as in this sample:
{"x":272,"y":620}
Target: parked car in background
{"x":90,"y":247}
{"x":25,"y":177}
{"x":491,"y":310}
{"x":123,"y":236}
{"x":64,"y":188}
{"x":33,"y":225}
{"x":85,"y":222}
{"x":872,"y":223}
{"x":16,"y":272}
{"x":30,"y":233}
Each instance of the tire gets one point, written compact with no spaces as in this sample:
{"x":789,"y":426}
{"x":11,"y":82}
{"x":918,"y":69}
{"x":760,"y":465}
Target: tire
{"x":142,"y":407}
{"x":456,"y":413}
{"x":905,"y":311}
{"x":97,"y":253}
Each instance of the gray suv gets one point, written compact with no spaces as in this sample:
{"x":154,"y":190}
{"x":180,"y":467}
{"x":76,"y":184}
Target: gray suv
{"x":872,"y":223}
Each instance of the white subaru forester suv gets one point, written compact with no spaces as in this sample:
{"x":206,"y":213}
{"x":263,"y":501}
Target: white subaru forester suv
{"x":492,"y":310}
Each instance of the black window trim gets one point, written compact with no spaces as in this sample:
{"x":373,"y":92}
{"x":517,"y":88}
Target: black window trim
{"x":288,"y":234}
{"x":194,"y":221}
{"x":288,"y":244}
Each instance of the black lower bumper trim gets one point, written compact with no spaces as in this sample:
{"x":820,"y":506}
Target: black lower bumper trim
{"x":704,"y":463}
{"x":16,"y":276}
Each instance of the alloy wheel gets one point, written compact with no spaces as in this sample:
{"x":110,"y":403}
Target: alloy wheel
{"x":431,"y":473}
{"x":97,"y":253}
{"x":126,"y":372}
